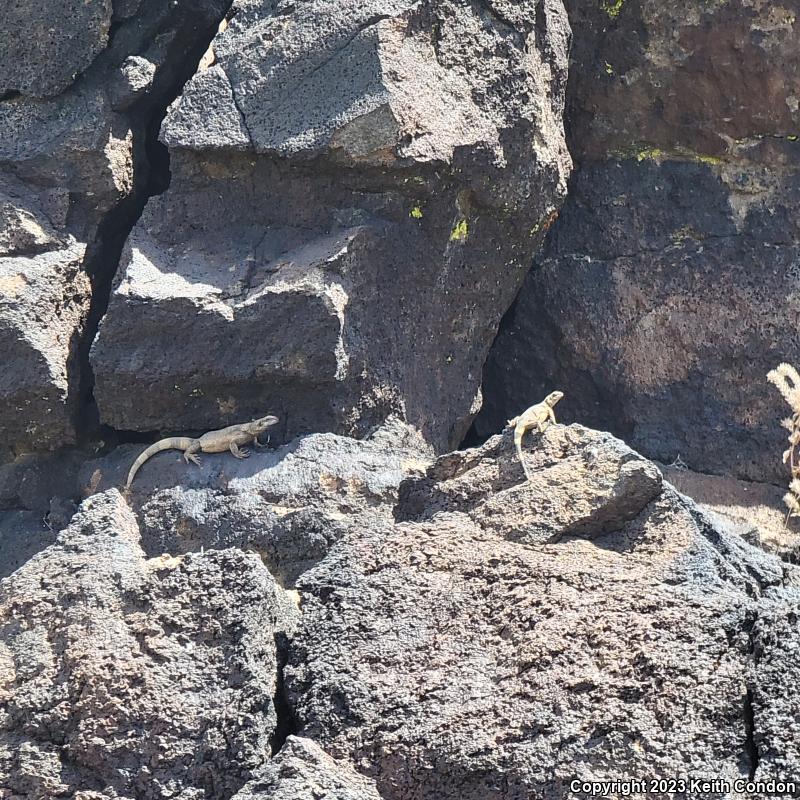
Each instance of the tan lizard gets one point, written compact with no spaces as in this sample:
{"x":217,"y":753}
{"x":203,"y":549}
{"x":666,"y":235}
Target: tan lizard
{"x":539,"y":417}
{"x":230,"y":438}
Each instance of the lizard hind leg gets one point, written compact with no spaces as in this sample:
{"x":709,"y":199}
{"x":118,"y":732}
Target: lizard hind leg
{"x":518,"y":434}
{"x":239,"y":453}
{"x":190,"y":454}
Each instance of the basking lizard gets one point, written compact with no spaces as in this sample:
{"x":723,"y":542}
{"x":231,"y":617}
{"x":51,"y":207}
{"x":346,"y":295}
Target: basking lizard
{"x":230,"y":438}
{"x":539,"y":417}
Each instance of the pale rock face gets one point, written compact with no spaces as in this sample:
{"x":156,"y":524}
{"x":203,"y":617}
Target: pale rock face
{"x":37,"y":338}
{"x":331,"y":160}
{"x":302,"y":769}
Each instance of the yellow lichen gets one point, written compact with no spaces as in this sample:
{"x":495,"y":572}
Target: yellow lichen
{"x":612,"y":7}
{"x":650,"y":154}
{"x":460,"y":232}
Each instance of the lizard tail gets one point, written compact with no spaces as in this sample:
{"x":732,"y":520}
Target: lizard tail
{"x":519,"y":431}
{"x":173,"y":443}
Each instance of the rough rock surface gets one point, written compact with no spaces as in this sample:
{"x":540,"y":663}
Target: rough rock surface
{"x":621,"y":648}
{"x":48,"y":43}
{"x":290,"y":504}
{"x":22,"y":535}
{"x":44,"y":302}
{"x":357,"y":188}
{"x":35,"y":481}
{"x":667,"y":289}
{"x":303,"y":771}
{"x":123,"y":676}
{"x":757,"y":509}
{"x":776,"y":711}
{"x":74,"y":171}
{"x":342,"y":204}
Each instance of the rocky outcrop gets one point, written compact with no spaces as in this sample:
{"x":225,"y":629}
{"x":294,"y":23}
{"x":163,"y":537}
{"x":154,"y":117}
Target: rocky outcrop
{"x":593,"y":619}
{"x":342,"y":204}
{"x":22,"y":535}
{"x":667,"y":289}
{"x":609,"y":636}
{"x":48,"y":45}
{"x":74,"y":172}
{"x":303,"y":770}
{"x":353,"y":206}
{"x":44,"y":303}
{"x":289,"y":504}
{"x":123,"y":676}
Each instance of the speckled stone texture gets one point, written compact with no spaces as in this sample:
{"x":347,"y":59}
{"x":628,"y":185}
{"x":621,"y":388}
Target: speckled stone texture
{"x":510,"y":636}
{"x":668,"y":286}
{"x":74,"y":171}
{"x":357,"y":189}
{"x":124,"y":676}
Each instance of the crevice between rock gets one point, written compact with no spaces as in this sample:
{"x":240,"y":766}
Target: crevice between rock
{"x":748,"y":711}
{"x":151,"y":176}
{"x":286,"y":720}
{"x":751,"y":749}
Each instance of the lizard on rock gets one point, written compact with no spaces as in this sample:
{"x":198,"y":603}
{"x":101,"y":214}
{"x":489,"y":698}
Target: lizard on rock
{"x":230,"y":438}
{"x":539,"y":417}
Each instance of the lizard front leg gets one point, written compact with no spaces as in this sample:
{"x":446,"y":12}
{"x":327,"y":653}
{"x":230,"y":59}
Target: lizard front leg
{"x":256,"y":443}
{"x":237,"y":452}
{"x":190,"y":453}
{"x":543,"y":422}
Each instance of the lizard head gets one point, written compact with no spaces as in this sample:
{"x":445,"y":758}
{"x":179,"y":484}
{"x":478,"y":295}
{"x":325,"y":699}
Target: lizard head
{"x":262,"y":424}
{"x":553,"y":398}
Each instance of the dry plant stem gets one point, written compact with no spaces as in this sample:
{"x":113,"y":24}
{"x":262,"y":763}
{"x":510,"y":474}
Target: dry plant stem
{"x":791,"y":466}
{"x":787,"y":380}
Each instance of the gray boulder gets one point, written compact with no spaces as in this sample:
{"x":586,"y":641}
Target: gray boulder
{"x":469,"y":652}
{"x":667,"y":289}
{"x":22,"y":535}
{"x":290,"y":504}
{"x":74,"y":173}
{"x":586,"y":484}
{"x":356,"y":191}
{"x":44,"y":303}
{"x":774,"y":703}
{"x":45,"y":296}
{"x":123,"y":676}
{"x":48,"y":43}
{"x":303,"y":771}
